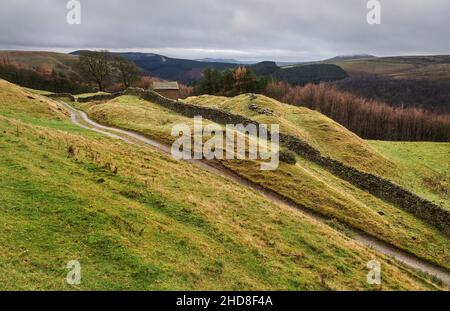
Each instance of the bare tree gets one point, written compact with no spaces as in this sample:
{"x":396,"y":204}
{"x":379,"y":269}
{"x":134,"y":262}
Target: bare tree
{"x":96,"y":67}
{"x":129,"y":72}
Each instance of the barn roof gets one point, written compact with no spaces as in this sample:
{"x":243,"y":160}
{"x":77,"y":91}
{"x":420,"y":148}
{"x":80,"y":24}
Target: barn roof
{"x":165,"y":85}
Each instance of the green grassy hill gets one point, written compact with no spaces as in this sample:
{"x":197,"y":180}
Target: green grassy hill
{"x":304,"y":183}
{"x":423,"y":167}
{"x":329,"y":137}
{"x":137,"y":219}
{"x":337,"y":142}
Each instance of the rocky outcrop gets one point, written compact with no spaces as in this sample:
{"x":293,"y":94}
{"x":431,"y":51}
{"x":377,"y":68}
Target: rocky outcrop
{"x":260,"y":110}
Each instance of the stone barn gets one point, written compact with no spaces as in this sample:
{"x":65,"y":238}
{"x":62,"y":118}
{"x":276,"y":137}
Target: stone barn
{"x":167,"y":89}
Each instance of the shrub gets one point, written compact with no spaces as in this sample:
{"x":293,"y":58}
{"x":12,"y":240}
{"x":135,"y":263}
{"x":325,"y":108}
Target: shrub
{"x":229,"y":82}
{"x":146,"y":82}
{"x":186,"y":91}
{"x":287,"y":156}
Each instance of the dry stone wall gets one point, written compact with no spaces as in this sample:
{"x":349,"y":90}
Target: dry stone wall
{"x":377,"y":186}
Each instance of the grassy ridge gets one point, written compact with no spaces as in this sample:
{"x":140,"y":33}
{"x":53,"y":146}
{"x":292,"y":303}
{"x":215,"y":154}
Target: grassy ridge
{"x":324,"y":134}
{"x":436,"y":68}
{"x":304,"y":183}
{"x":35,"y":59}
{"x":141,"y":227}
{"x":337,"y":142}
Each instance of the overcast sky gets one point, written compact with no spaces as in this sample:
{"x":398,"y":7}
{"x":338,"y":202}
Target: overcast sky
{"x":283,"y":30}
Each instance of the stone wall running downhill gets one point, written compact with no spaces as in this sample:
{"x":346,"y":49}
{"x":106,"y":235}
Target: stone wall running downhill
{"x":99,"y":97}
{"x":377,"y":186}
{"x":62,"y":95}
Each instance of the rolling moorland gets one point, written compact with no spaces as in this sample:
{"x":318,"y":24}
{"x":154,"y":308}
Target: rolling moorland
{"x":34,"y":59}
{"x":183,"y":70}
{"x":418,"y":81}
{"x":418,"y":67}
{"x":435,"y":68}
{"x":136,"y":220}
{"x":401,"y":81}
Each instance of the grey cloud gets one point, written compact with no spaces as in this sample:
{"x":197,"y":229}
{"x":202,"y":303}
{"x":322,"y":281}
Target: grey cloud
{"x":258,"y":29}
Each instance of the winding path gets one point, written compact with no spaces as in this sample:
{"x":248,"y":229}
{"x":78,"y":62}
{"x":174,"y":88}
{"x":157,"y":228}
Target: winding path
{"x":81,"y":119}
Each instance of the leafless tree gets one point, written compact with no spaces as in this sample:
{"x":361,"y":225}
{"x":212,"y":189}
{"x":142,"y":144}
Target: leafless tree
{"x":96,"y":67}
{"x":129,"y":72}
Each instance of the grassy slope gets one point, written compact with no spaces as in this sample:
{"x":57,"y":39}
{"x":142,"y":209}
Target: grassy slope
{"x":143,"y":228}
{"x":424,"y":167}
{"x":357,"y":67}
{"x":439,"y":72}
{"x":339,"y":143}
{"x":34,"y":59}
{"x":90,"y":94}
{"x":329,"y":137}
{"x":305,"y":183}
{"x":422,"y":67}
{"x":39,"y":92}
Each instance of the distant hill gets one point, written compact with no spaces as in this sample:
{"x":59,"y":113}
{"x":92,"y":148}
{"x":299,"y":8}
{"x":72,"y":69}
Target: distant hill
{"x":265,"y":68}
{"x":350,"y":57}
{"x":433,"y":67}
{"x":183,"y":70}
{"x":189,"y":71}
{"x":299,"y":75}
{"x":42,"y":70}
{"x":425,"y":94}
{"x":36,"y":59}
{"x":313,"y":73}
{"x":286,"y":64}
{"x":224,"y":60}
{"x":418,"y":81}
